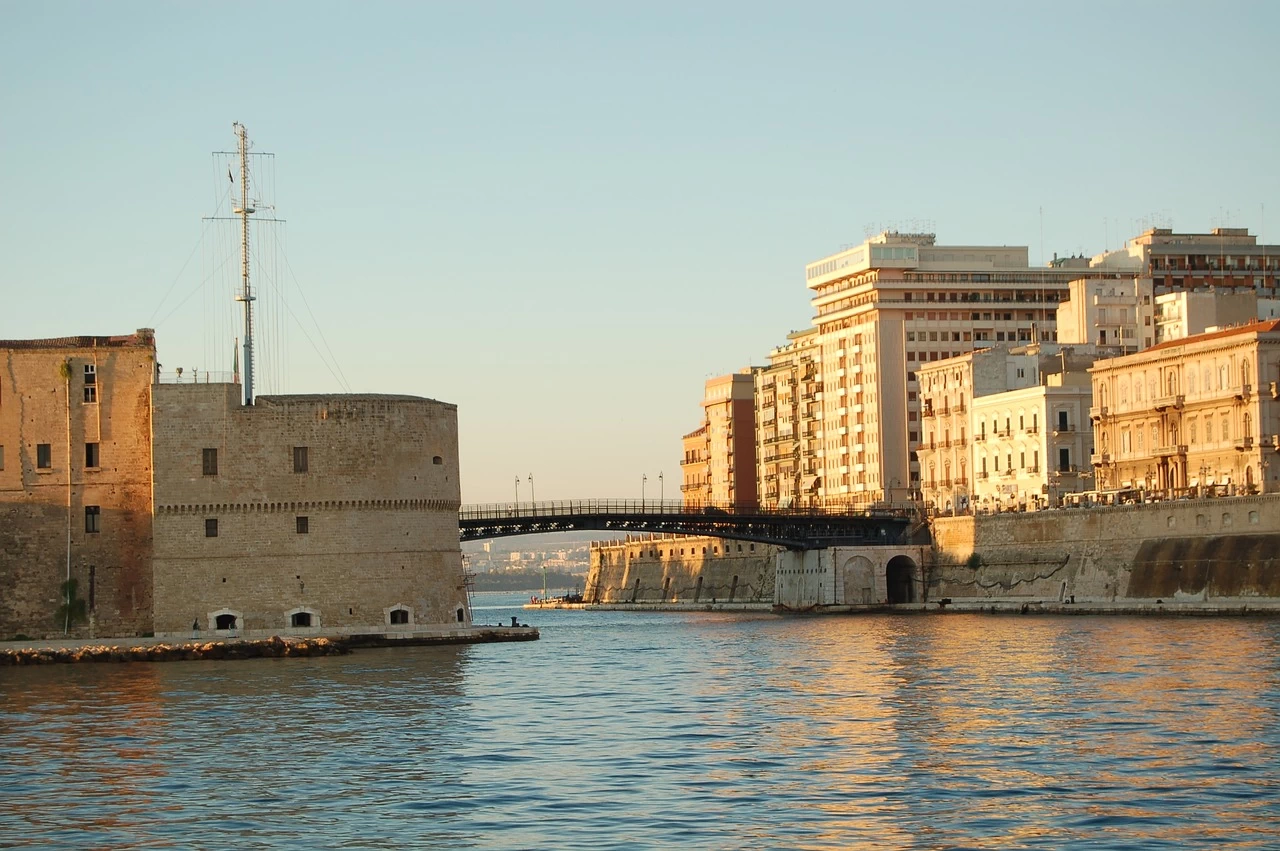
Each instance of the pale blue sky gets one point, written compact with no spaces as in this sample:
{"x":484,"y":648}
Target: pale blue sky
{"x":565,"y":217}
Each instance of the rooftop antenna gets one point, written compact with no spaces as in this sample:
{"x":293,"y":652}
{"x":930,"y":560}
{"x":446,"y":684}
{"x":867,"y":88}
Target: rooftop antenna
{"x":244,"y":210}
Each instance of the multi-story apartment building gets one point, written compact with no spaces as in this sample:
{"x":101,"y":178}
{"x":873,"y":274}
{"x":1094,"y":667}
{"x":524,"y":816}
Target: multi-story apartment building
{"x":788,"y":423}
{"x":1194,"y":412}
{"x":1224,"y":257}
{"x":1002,"y":428}
{"x":1186,"y":313}
{"x":719,"y":462}
{"x":694,"y":487}
{"x":1110,"y":313}
{"x":893,"y":304}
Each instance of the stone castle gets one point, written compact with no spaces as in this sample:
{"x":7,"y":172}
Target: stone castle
{"x":175,"y":507}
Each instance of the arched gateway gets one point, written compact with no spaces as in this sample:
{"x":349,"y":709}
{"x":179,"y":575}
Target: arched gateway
{"x":900,"y":577}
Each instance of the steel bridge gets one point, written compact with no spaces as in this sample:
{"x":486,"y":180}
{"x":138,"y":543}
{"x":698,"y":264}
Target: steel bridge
{"x":793,"y":528}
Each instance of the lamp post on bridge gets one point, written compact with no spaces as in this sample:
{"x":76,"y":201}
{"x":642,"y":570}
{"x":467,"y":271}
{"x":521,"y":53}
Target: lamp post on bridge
{"x":662,"y":505}
{"x":533,"y":500}
{"x":644,"y":478}
{"x":517,"y":494}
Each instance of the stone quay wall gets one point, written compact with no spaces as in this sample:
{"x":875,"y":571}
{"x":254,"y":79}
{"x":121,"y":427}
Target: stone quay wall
{"x":362,"y":529}
{"x":75,"y":483}
{"x":1185,"y":551}
{"x":675,"y":569}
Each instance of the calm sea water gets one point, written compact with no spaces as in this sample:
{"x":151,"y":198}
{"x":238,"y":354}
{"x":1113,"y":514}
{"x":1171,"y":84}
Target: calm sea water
{"x":621,"y":730}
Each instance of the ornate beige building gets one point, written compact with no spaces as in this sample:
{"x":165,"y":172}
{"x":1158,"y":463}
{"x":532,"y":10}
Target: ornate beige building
{"x":789,"y":423}
{"x":1191,"y":413}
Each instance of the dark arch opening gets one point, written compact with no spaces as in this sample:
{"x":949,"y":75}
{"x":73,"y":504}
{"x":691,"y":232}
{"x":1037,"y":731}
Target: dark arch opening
{"x":225,"y":622}
{"x":399,"y":616}
{"x":900,"y":579}
{"x":300,"y":619}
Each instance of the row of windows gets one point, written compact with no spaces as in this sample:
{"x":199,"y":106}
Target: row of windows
{"x":301,"y":463}
{"x":301,"y":525}
{"x":44,"y":456}
{"x":303,"y":617}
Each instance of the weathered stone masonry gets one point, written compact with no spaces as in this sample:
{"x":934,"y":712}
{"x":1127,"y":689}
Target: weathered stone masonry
{"x":58,"y":398}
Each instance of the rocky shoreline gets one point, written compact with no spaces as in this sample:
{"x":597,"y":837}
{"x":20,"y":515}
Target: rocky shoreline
{"x":271,"y":648}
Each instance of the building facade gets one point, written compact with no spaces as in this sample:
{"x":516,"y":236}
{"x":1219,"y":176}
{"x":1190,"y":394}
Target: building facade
{"x":1116,"y":314}
{"x":75,"y":485}
{"x":1187,"y":313}
{"x":175,"y":507}
{"x":1003,"y":428}
{"x":789,"y":422}
{"x":1195,"y":413}
{"x":328,"y":514}
{"x":888,"y":307}
{"x":718,"y":466}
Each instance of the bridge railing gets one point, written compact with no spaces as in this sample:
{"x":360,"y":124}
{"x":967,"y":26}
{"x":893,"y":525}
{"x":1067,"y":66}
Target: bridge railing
{"x":656,"y":508}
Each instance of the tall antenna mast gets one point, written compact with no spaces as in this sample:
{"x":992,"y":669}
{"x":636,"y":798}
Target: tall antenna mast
{"x":244,"y":210}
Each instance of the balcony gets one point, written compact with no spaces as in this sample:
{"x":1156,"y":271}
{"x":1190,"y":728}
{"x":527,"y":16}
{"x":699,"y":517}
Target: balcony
{"x":927,"y":413}
{"x":1033,"y":470}
{"x":1172,"y":449}
{"x":1099,"y":412}
{"x":1100,"y":459}
{"x":961,"y":483}
{"x":1243,"y":391}
{"x":1061,"y":430}
{"x":1009,"y":472}
{"x":1164,"y":403}
{"x":980,"y":437}
{"x":1243,"y":444}
{"x":1035,"y":429}
{"x":982,"y":475}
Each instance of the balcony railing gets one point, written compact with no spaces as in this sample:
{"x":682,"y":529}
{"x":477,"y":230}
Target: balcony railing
{"x":1163,"y":403}
{"x":1171,"y":449}
{"x":1099,"y":412}
{"x":1100,"y":458}
{"x":1243,"y":391}
{"x":1243,"y":444}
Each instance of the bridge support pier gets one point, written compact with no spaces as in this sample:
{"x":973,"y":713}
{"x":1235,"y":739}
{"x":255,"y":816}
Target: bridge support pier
{"x":854,"y":577}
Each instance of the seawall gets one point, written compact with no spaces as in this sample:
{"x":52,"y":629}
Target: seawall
{"x":1222,"y":553}
{"x":674,"y":569}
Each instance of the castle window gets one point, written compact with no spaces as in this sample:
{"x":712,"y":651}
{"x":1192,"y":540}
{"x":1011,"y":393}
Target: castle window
{"x":91,"y":455}
{"x":299,"y":459}
{"x":92,"y":518}
{"x":211,"y":527}
{"x":398,"y":615}
{"x":302,"y":524}
{"x":437,"y":460}
{"x":225,"y":621}
{"x":210,"y":461}
{"x":90,"y":382}
{"x":44,"y":456}
{"x":300,"y":619}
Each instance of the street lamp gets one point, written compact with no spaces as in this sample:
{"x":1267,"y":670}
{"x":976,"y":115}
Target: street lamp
{"x":532,"y":499}
{"x":644,"y":478}
{"x":661,"y":493}
{"x":517,"y":493}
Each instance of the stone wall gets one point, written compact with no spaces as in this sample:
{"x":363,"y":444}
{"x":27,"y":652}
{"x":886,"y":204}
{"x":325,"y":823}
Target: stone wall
{"x":369,"y":526}
{"x":43,"y":509}
{"x":1181,"y":549}
{"x":677,"y":569}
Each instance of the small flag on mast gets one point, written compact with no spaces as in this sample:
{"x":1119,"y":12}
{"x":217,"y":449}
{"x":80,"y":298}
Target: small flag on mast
{"x":229,"y":177}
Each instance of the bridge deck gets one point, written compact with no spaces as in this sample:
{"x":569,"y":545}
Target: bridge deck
{"x":802,"y":528}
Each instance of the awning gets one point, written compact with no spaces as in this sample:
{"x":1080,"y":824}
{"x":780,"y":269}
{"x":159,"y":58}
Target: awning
{"x":809,"y":483}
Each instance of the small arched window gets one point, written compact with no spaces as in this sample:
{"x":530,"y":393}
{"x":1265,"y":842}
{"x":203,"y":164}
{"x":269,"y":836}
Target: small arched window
{"x":399,"y":616}
{"x":299,"y":619}
{"x":437,"y":460}
{"x":225,"y":622}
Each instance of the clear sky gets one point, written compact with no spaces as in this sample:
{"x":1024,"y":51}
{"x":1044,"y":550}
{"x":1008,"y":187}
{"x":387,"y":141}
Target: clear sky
{"x":565,"y":217}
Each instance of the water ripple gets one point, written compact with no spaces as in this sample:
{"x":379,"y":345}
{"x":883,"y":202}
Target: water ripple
{"x":651,"y":730}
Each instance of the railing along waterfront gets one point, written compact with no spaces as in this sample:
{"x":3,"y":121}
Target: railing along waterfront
{"x":657,"y":507}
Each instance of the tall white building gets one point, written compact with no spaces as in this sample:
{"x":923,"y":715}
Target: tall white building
{"x":885,"y":308}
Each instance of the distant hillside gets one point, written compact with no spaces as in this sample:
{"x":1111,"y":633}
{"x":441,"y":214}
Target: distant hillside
{"x":526,"y":579}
